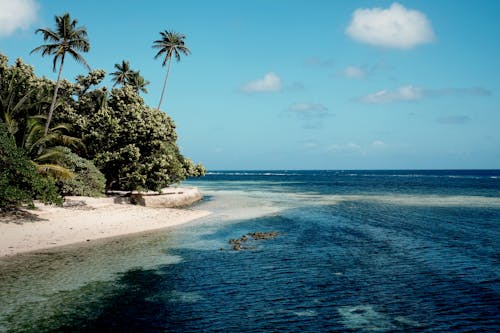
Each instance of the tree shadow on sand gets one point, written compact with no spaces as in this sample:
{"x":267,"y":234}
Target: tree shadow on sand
{"x":18,"y":216}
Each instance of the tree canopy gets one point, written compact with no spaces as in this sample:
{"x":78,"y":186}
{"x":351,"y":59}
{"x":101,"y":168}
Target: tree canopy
{"x":132,"y":145}
{"x":98,"y":138}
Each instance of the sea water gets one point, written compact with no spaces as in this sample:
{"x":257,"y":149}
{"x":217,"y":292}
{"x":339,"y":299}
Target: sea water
{"x":356,"y":251}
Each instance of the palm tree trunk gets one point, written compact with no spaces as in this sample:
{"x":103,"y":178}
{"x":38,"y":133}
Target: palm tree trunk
{"x":54,"y":98}
{"x":165,"y":83}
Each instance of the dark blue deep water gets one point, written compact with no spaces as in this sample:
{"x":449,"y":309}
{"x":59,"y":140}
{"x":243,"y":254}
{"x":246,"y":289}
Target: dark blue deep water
{"x":357,"y":251}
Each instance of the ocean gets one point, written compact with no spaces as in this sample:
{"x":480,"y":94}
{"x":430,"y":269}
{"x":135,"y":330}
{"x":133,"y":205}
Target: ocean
{"x":342,"y":251}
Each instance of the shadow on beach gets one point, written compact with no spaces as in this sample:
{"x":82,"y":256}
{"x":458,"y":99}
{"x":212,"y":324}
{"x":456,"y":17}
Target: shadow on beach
{"x":19,"y":216}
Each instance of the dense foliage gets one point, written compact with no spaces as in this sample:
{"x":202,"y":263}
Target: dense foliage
{"x":87,"y":180}
{"x":19,"y":181}
{"x":80,"y":135}
{"x":134,"y":145}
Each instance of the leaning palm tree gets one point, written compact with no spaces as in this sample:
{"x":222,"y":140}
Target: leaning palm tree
{"x":170,"y":44}
{"x":138,"y":82}
{"x":66,"y":39}
{"x":123,"y":73}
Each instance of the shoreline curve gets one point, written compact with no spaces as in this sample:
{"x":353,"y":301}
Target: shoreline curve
{"x":83,"y":219}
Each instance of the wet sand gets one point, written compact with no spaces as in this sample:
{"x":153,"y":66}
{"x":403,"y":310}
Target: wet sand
{"x":84,"y":219}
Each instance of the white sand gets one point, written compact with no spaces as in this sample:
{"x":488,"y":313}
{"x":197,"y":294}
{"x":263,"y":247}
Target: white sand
{"x":91,"y":219}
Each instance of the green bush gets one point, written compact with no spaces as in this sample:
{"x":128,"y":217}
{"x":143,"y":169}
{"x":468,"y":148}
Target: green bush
{"x":87,"y":180}
{"x":19,"y":181}
{"x":135,"y":146}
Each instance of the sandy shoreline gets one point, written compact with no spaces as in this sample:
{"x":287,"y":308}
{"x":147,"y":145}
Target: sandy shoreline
{"x":91,"y":219}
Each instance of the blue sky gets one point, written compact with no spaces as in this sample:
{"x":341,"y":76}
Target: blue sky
{"x":275,"y":84}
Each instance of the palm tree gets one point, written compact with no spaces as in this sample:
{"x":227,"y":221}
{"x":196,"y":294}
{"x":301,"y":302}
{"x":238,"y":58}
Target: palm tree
{"x":66,"y":39}
{"x":123,"y":73}
{"x":46,"y":151}
{"x":170,"y":44}
{"x":14,"y":103}
{"x":138,"y":82}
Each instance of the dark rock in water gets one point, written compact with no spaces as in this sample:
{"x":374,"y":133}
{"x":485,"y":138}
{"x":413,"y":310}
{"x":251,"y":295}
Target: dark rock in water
{"x":264,"y":235}
{"x":237,"y":243}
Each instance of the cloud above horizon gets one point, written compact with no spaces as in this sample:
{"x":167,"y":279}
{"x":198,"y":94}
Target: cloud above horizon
{"x":411,"y":93}
{"x":17,"y":15}
{"x":353,"y":147}
{"x":354,"y":72}
{"x":271,"y":82}
{"x":309,"y":109}
{"x":403,"y":93}
{"x":453,"y":120}
{"x":395,"y":27}
{"x":311,"y":115}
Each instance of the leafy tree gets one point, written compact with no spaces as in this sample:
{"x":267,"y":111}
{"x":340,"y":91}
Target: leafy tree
{"x":19,"y":181}
{"x":66,"y":39}
{"x":134,"y":145}
{"x":87,"y":180}
{"x":123,"y":73}
{"x":23,"y":98}
{"x":170,"y":45}
{"x":19,"y":95}
{"x":138,"y":82}
{"x":85,"y":82}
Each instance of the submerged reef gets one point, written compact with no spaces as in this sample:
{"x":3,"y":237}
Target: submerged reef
{"x":238,"y":244}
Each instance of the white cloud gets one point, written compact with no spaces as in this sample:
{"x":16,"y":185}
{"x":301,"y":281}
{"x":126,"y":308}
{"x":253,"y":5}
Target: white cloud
{"x":269,"y":83}
{"x":312,"y":115}
{"x":354,"y":72}
{"x":404,"y":93}
{"x":395,"y":27}
{"x":410,"y":93}
{"x":377,"y":146}
{"x":308,"y":108}
{"x":16,"y":14}
{"x":309,"y":145}
{"x":378,"y":143}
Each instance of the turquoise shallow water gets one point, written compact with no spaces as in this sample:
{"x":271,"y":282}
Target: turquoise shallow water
{"x":358,"y":251}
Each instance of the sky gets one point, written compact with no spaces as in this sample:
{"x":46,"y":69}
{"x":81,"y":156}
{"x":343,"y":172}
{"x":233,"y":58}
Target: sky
{"x":301,"y":84}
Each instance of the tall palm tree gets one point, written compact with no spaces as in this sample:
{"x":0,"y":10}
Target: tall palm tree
{"x":170,"y":44}
{"x":138,"y":82}
{"x":123,"y":73}
{"x":66,"y":39}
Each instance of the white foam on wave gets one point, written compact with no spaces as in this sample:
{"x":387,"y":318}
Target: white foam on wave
{"x":278,"y":198}
{"x":306,"y":313}
{"x":413,"y":200}
{"x":176,"y":296}
{"x":249,"y":173}
{"x":365,"y":318}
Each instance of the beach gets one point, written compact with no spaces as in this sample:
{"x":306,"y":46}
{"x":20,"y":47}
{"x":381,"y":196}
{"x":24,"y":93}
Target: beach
{"x":84,"y":219}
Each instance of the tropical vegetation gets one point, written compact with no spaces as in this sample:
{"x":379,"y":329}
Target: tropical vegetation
{"x":170,"y":45}
{"x":66,"y":39}
{"x":79,"y":137}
